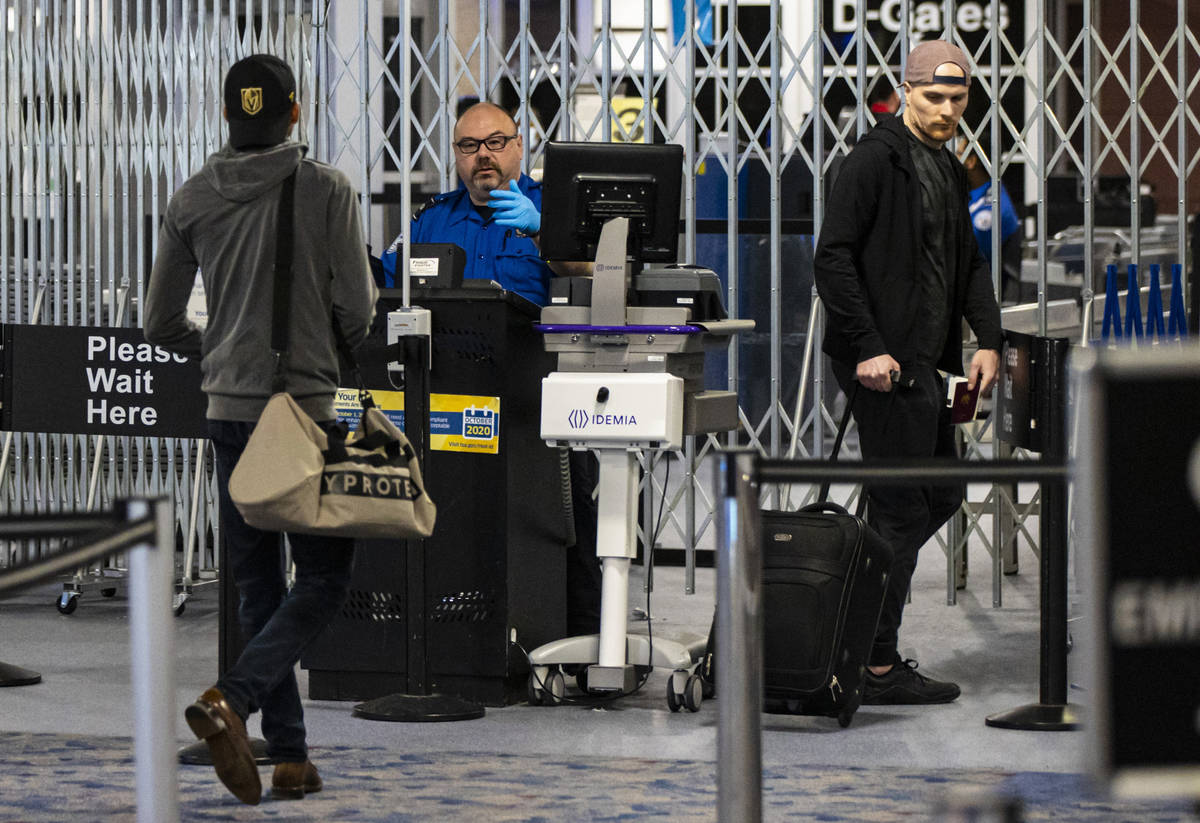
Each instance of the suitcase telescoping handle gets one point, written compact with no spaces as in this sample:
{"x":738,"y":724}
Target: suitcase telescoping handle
{"x":825,"y":506}
{"x":900,"y":381}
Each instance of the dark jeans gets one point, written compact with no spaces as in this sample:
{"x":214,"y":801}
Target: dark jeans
{"x":278,"y":624}
{"x":913,"y":424}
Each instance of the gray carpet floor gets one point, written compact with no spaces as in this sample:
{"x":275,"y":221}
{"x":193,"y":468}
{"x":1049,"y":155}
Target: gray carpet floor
{"x":991,"y":651}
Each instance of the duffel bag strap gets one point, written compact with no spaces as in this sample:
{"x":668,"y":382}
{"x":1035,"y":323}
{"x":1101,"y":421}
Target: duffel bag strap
{"x":281,"y":295}
{"x":364,"y":396}
{"x":396,"y":451}
{"x":335,"y":445}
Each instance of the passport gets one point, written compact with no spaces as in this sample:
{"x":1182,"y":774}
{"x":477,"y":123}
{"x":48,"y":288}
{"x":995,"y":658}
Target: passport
{"x":963,"y":402}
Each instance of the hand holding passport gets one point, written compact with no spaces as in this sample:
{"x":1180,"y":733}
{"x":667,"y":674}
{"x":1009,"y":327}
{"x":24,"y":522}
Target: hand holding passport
{"x":963,"y":402}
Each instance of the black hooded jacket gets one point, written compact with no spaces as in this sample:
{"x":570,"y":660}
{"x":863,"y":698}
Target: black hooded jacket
{"x":867,"y":256}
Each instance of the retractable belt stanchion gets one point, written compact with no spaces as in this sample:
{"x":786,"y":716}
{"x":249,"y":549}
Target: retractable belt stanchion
{"x":230,"y":643}
{"x":146,"y":529}
{"x":1052,"y":711}
{"x":417,"y":703}
{"x":739,"y":570}
{"x":739,"y":635}
{"x":151,"y":642}
{"x":11,"y":675}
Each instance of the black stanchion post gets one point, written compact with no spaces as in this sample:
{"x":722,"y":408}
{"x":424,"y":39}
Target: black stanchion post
{"x":230,"y":642}
{"x":418,"y":704}
{"x":1049,"y":398}
{"x":739,"y":640}
{"x":416,"y":426}
{"x":1193,"y":324}
{"x":16,"y":676}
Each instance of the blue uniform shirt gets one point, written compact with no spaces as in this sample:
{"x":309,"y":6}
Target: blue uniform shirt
{"x":979,"y":202}
{"x":493,"y":252}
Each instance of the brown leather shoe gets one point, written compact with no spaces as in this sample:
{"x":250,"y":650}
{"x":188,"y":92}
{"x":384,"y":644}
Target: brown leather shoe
{"x":294,"y":780}
{"x":217,"y":724}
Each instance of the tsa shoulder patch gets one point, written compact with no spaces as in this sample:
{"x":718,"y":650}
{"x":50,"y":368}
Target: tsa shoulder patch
{"x":464,"y":423}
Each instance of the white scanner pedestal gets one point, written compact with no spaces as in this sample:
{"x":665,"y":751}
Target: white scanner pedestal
{"x":626,"y":412}
{"x":614,"y":392}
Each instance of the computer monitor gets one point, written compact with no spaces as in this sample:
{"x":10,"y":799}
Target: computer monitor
{"x":586,"y":184}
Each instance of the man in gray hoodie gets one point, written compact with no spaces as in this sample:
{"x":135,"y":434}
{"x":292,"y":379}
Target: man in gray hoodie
{"x":222,"y":221}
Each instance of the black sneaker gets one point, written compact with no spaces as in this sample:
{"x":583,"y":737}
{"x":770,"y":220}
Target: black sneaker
{"x":902,"y":686}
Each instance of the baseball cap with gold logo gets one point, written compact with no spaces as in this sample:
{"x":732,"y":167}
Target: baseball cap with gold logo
{"x":259,"y":93}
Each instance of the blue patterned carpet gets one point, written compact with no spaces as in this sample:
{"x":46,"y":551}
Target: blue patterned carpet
{"x":61,"y":778}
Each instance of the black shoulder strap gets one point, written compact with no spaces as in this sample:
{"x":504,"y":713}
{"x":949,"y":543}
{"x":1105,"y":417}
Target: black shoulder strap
{"x":281,"y":299}
{"x":364,"y":396}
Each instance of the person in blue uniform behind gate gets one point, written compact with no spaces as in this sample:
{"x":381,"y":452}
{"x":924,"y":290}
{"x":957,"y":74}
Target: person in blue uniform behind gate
{"x":979,"y":204}
{"x":495,"y":217}
{"x":495,"y":213}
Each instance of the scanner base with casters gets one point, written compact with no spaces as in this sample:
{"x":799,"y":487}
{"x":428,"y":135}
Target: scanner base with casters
{"x":546,"y":685}
{"x":613,"y":657}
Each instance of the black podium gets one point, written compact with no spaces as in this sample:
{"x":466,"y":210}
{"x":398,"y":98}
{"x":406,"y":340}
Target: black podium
{"x":495,"y":565}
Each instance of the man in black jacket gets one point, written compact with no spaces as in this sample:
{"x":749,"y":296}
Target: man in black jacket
{"x":898,"y":269}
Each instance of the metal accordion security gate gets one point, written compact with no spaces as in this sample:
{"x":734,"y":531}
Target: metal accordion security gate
{"x":108,"y":106}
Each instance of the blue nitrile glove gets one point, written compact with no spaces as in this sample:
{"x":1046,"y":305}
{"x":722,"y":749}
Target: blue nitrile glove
{"x":389,"y":260}
{"x":515,"y":210}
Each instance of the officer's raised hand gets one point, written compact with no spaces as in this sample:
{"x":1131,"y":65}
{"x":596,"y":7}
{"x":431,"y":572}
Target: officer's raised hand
{"x":514,"y":210}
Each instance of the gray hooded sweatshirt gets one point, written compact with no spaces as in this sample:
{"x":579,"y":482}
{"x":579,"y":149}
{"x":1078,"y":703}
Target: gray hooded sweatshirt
{"x":222,"y":221}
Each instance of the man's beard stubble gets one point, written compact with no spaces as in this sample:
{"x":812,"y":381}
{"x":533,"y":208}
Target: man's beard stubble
{"x":487,"y":166}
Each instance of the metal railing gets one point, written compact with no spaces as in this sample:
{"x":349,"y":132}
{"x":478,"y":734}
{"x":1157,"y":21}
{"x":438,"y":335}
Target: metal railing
{"x":146,"y":530}
{"x":739,"y":477}
{"x":108,"y":107}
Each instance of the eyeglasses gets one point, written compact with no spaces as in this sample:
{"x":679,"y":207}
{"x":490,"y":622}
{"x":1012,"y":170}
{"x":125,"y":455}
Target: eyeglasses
{"x":497,"y":142}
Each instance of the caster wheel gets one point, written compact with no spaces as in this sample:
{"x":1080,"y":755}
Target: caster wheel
{"x":107,"y":592}
{"x":67,"y":603}
{"x":581,"y":680}
{"x":533,"y":692}
{"x":844,"y":719}
{"x":179,"y":604}
{"x":674,"y":701}
{"x":693,"y":693}
{"x":556,"y":687}
{"x":180,"y":609}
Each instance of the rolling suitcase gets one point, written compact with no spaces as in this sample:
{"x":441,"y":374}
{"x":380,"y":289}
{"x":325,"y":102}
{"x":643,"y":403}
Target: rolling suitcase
{"x":823,"y":579}
{"x":824,"y":576}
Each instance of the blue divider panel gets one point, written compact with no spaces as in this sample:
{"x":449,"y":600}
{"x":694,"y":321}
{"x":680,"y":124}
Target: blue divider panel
{"x":1154,"y":305}
{"x":1112,"y":306}
{"x":1177,"y":323}
{"x":1133,"y":305}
